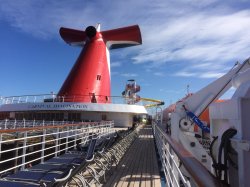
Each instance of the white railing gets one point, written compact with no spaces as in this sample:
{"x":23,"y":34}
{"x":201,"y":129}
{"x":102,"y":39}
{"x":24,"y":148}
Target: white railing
{"x":13,"y":124}
{"x":54,"y":98}
{"x":179,"y":166}
{"x":36,"y":144}
{"x":170,"y":162}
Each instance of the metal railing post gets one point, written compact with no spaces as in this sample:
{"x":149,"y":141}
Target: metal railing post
{"x":67,"y":139}
{"x":5,"y":124}
{"x":34,"y":122}
{"x":24,"y":123}
{"x":75,"y":129}
{"x":15,"y":124}
{"x":16,"y":153}
{"x":57,"y":141}
{"x":24,"y":150}
{"x":43,"y":145}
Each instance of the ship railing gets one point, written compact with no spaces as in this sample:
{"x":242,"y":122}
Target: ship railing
{"x":14,"y":124}
{"x":180,"y":167}
{"x":21,"y":148}
{"x":48,"y":98}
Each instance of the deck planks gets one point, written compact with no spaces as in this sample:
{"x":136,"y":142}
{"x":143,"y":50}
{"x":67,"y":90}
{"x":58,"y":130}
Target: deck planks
{"x":138,"y":167}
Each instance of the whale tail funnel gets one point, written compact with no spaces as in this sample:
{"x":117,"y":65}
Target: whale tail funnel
{"x":89,"y":79}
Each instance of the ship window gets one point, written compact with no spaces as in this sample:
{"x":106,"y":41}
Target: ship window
{"x":4,"y":115}
{"x":38,"y":116}
{"x":43,"y":116}
{"x":52,"y":116}
{"x":74,"y":116}
{"x":104,"y":117}
{"x":98,"y":77}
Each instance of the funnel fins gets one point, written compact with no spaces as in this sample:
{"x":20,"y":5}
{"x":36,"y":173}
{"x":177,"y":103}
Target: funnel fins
{"x":72,"y":36}
{"x":123,"y":37}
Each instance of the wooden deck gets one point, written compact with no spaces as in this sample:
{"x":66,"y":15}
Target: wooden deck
{"x":139,"y":164}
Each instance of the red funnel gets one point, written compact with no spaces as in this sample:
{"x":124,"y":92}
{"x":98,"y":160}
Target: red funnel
{"x":89,"y":79}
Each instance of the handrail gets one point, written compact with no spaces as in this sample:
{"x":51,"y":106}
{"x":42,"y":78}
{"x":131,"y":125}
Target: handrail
{"x":200,"y":175}
{"x":57,"y":138}
{"x":42,"y":125}
{"x":52,"y":98}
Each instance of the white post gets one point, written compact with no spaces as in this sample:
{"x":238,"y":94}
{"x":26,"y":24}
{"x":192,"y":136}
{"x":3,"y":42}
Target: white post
{"x":75,"y":136}
{"x":67,"y":138}
{"x":15,"y":124}
{"x":57,"y":141}
{"x":24,"y":150}
{"x":5,"y":124}
{"x":43,"y":145}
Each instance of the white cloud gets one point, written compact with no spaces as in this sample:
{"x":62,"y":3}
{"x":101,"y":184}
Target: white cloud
{"x":206,"y":35}
{"x":129,"y":75}
{"x":198,"y":37}
{"x":206,"y":70}
{"x":216,"y":40}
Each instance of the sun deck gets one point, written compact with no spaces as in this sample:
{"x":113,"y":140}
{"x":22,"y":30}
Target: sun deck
{"x":127,"y":158}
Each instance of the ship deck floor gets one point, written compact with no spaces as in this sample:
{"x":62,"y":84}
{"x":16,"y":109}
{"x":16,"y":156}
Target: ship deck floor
{"x":139,"y":165}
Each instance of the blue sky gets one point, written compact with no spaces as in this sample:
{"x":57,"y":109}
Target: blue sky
{"x":185,"y":42}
